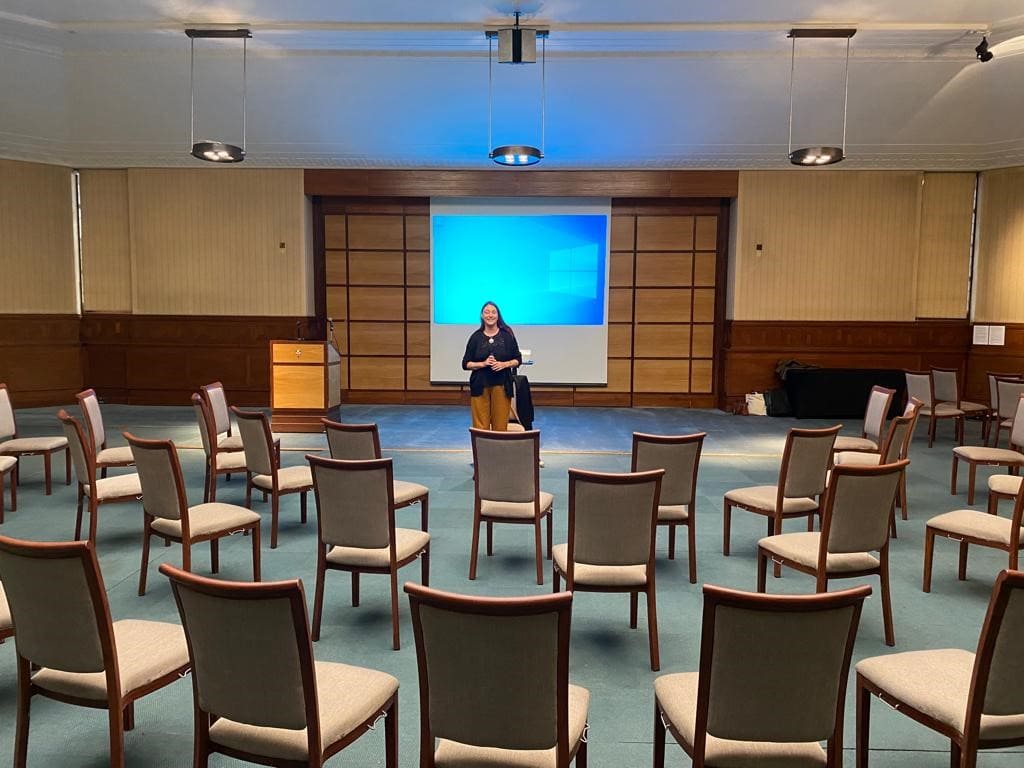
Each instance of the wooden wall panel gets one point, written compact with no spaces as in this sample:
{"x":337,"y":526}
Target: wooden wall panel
{"x":377,"y":373}
{"x":106,"y":242}
{"x":837,"y":245}
{"x":620,"y":340}
{"x":982,"y":359}
{"x":36,"y":239}
{"x":376,"y":303}
{"x":999,"y":279}
{"x":209,"y":242}
{"x":665,"y":305}
{"x":664,"y":233}
{"x":335,"y":232}
{"x":376,"y":268}
{"x":417,"y":267}
{"x":620,"y":269}
{"x":622,"y":230}
{"x":661,"y":376}
{"x":417,"y":233}
{"x":40,"y":358}
{"x":663,"y":341}
{"x":337,"y":267}
{"x":664,"y":269}
{"x":375,"y":231}
{"x":944,"y":259}
{"x":377,"y":338}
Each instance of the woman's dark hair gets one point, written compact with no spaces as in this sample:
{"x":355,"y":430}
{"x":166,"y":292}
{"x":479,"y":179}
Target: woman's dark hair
{"x":501,"y":321}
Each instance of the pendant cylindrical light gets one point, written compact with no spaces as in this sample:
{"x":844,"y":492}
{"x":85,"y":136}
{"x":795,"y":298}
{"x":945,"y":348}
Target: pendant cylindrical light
{"x":821,"y":155}
{"x":517,"y":45}
{"x":210,"y":150}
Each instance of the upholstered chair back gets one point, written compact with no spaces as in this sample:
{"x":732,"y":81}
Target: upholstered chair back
{"x":7,"y":425}
{"x":352,"y":442}
{"x":353,"y":501}
{"x":256,"y":442}
{"x":945,"y":384}
{"x":806,"y":460}
{"x":90,"y":405}
{"x":1009,"y":393}
{"x":218,"y":402}
{"x":56,"y":598}
{"x":85,"y":468}
{"x":861,"y":504}
{"x":206,"y":428}
{"x":876,"y":412}
{"x":506,"y":464}
{"x":919,"y":385}
{"x":160,"y":477}
{"x":679,"y":458}
{"x":613,"y":516}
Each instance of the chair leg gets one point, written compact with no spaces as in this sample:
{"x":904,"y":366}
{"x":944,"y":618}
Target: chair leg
{"x":955,"y":756}
{"x":993,"y":504}
{"x":537,"y":551}
{"x":903,"y":496}
{"x":952,"y":476}
{"x":691,"y":543}
{"x":475,"y":546}
{"x":652,"y":628}
{"x":248,"y":494}
{"x":145,"y":559}
{"x":275,"y":504}
{"x":47,"y":478}
{"x":212,"y":482}
{"x":762,"y":570}
{"x":129,"y":717}
{"x":78,"y":517}
{"x":425,"y":567}
{"x":961,"y":423}
{"x":633,"y":599}
{"x":972,"y":470}
{"x":490,"y":538}
{"x":256,"y":553}
{"x":215,"y":555}
{"x":318,"y":592}
{"x":94,"y":513}
{"x":961,"y":573}
{"x":115,"y":725}
{"x":883,"y":576}
{"x":551,"y":514}
{"x":302,"y":507}
{"x":659,"y":738}
{"x":67,"y":466}
{"x":391,"y":735}
{"x":929,"y":549}
{"x":355,"y":589}
{"x":863,"y":724}
{"x":581,"y":755}
{"x":931,"y":430}
{"x":396,"y":641}
{"x":671,"y":542}
{"x":22,"y":717}
{"x":726,"y":525}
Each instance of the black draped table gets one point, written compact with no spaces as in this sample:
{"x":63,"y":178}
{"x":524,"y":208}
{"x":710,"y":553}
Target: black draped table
{"x":840,"y":393}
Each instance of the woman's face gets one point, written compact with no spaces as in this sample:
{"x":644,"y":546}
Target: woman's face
{"x":489,"y":315}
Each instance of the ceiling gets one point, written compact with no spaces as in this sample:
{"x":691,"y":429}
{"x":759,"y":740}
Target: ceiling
{"x":404,"y":83}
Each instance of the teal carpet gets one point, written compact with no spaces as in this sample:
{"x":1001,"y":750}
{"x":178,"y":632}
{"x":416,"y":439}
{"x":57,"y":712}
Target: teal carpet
{"x":430,"y":445}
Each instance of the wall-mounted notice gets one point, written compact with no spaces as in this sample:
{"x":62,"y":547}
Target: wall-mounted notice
{"x":997,"y":335}
{"x":981,"y":334}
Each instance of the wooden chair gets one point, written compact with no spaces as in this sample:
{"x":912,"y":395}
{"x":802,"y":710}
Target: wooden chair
{"x":494,"y":680}
{"x":167,"y":514}
{"x":802,"y":476}
{"x":17,"y":447}
{"x":679,"y":456}
{"x":99,"y":490}
{"x":993,"y":378}
{"x":921,"y":385}
{"x":969,"y":526}
{"x":948,"y":390}
{"x":612,"y":530}
{"x":356,"y":530}
{"x":854,"y":525}
{"x":217,"y":404}
{"x":258,"y":694}
{"x":121,"y":456}
{"x":1009,"y":392}
{"x":361,"y":442}
{"x":772,"y":706}
{"x":973,"y":699}
{"x":975,"y":455}
{"x":506,"y":488}
{"x":218,"y":461}
{"x":875,"y":414}
{"x":264,"y":470}
{"x":67,"y":647}
{"x":8,"y":473}
{"x":6,"y":622}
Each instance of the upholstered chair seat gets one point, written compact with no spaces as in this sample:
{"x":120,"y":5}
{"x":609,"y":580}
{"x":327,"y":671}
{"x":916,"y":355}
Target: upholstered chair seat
{"x":32,"y":444}
{"x":96,"y":434}
{"x":1012,"y":457}
{"x":234,"y":460}
{"x":288,"y":479}
{"x":677,"y":696}
{"x":520,"y":510}
{"x":117,"y":487}
{"x":6,"y":624}
{"x":145,"y":651}
{"x":802,"y":548}
{"x":453,"y":754}
{"x":8,"y":464}
{"x":1008,"y":485}
{"x":970,"y":522}
{"x":205,"y":519}
{"x":858,"y":458}
{"x":339,"y":715}
{"x":969,"y":407}
{"x":942,"y":410}
{"x":763,"y":496}
{"x":994,"y":455}
{"x":600,"y":575}
{"x":406,"y":492}
{"x":12,"y":445}
{"x":230,"y":443}
{"x":668,"y":513}
{"x":846,"y":443}
{"x":118,"y":455}
{"x":408,"y":542}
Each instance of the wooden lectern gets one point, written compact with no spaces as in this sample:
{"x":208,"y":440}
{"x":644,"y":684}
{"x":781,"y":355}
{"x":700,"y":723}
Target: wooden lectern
{"x":305,"y":385}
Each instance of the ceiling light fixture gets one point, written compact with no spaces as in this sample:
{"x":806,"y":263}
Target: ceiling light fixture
{"x":815,"y":156}
{"x":215,"y":151}
{"x":982,"y":51}
{"x":516,"y":45}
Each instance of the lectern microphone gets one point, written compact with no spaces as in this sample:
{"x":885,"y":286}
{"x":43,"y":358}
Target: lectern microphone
{"x":298,"y":330}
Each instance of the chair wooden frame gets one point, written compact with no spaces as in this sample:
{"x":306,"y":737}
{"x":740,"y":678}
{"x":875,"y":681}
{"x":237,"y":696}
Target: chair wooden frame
{"x":876,"y":390}
{"x":1013,"y":465}
{"x":957,"y":415}
{"x":394,"y":563}
{"x":776,"y":515}
{"x":650,"y":587}
{"x":971,"y":410}
{"x":47,"y":453}
{"x":273,"y":449}
{"x":820,"y":571}
{"x":12,"y":472}
{"x":204,"y":392}
{"x":90,"y":428}
{"x":90,"y":462}
{"x":993,"y":378}
{"x":499,"y":607}
{"x":994,"y":497}
{"x":716,"y":597}
{"x":120,"y":707}
{"x":186,"y":539}
{"x":1012,"y":549}
{"x":999,"y":418}
{"x":964,"y":747}
{"x":292,"y":592}
{"x":691,"y":504}
{"x":538,"y":513}
{"x":210,"y":431}
{"x":5,"y":630}
{"x":372,"y":429}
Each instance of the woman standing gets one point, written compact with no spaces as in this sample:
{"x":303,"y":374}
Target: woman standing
{"x":492,"y":354}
